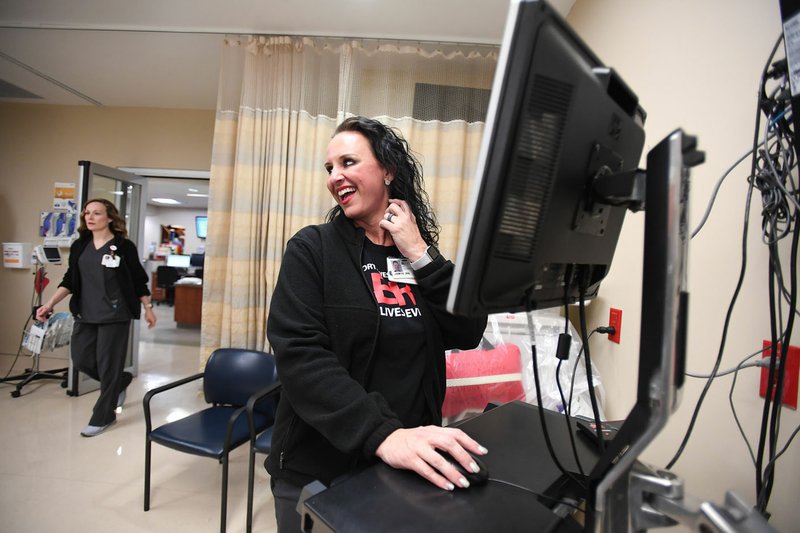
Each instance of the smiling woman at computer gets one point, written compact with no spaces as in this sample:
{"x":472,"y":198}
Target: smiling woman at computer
{"x":359,"y":347}
{"x":108,"y":286}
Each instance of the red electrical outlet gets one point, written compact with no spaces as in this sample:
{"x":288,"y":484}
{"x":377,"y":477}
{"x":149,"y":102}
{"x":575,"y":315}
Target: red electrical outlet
{"x":790,"y":378}
{"x":615,"y":320}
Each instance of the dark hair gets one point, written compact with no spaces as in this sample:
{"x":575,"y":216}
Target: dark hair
{"x":115,"y":222}
{"x":392,"y":152}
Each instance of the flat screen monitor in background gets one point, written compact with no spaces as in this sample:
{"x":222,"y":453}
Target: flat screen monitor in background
{"x":197,"y":260}
{"x":557,"y":118}
{"x":201,"y":225}
{"x":179,"y":261}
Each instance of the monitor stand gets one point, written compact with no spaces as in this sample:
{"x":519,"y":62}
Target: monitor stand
{"x":662,"y":345}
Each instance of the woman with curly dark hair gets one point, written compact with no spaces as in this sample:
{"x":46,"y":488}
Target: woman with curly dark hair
{"x":108,"y":286}
{"x":392,"y":152}
{"x":359,"y":343}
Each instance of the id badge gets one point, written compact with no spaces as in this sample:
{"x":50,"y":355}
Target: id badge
{"x":110,"y":261}
{"x":398,"y":269}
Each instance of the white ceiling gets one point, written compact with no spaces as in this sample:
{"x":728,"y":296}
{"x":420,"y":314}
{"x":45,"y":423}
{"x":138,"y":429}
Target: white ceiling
{"x":166,"y":53}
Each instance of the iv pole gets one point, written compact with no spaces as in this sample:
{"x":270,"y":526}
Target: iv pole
{"x":34,"y":373}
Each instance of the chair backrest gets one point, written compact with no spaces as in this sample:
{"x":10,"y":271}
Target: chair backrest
{"x":166,"y":276}
{"x":232,"y":375}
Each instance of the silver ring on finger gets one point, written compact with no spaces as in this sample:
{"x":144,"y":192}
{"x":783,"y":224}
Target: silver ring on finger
{"x":389,"y":217}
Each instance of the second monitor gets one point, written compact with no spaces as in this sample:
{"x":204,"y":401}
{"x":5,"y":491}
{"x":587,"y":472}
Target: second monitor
{"x":179,"y":261}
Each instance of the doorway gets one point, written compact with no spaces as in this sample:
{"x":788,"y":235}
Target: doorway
{"x":174,"y":236}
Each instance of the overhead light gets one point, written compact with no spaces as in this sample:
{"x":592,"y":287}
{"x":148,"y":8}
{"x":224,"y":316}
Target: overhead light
{"x":196,"y":195}
{"x":167,"y":201}
{"x":193,"y":190}
{"x":118,"y":193}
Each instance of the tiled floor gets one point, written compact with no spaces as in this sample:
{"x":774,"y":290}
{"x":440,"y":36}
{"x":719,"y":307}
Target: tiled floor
{"x":52,"y":479}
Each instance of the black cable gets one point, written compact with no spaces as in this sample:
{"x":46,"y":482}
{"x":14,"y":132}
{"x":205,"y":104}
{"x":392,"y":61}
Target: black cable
{"x":4,"y":379}
{"x":765,"y":434}
{"x":537,"y":494}
{"x":725,"y":327}
{"x":771,"y":464}
{"x":775,"y":164}
{"x":769,"y":477}
{"x":733,"y":406}
{"x":714,"y":193}
{"x":567,"y":419}
{"x":784,"y":292}
{"x":540,"y":409}
{"x":22,"y":335}
{"x":588,"y":364}
{"x":574,"y":372}
{"x":742,"y":270}
{"x":562,"y":352}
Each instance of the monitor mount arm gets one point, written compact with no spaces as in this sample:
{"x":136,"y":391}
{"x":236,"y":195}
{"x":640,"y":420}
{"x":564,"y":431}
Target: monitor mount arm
{"x":663,"y":323}
{"x":620,"y":188}
{"x":628,"y":187}
{"x":657,"y":499}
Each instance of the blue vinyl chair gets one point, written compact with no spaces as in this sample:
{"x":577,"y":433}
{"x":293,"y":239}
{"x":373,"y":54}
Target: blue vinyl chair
{"x":230,"y":378}
{"x":260,"y":441}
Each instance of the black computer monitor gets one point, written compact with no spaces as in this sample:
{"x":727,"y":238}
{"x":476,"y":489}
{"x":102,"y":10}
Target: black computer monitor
{"x":558,"y":168}
{"x":197,"y":260}
{"x":558,"y":119}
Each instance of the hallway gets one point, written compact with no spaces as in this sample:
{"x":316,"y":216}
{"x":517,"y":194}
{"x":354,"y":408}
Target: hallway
{"x":52,"y":479}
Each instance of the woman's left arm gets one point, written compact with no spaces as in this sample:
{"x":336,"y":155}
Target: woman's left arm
{"x":138,"y":274}
{"x":461,"y":332}
{"x":139,"y":279}
{"x":149,"y":315}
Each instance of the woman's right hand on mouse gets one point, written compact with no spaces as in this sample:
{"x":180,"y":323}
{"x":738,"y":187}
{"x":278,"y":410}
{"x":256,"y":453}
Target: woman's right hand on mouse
{"x":415,"y":449}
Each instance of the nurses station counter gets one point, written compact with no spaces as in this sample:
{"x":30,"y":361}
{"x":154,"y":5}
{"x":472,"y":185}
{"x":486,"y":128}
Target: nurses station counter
{"x":188,"y":302}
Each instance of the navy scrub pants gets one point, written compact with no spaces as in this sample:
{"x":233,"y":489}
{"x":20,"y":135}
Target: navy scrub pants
{"x":98,"y":350}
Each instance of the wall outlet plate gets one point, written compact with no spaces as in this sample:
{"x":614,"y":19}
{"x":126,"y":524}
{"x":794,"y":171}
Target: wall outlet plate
{"x":790,"y":378}
{"x":615,"y":320}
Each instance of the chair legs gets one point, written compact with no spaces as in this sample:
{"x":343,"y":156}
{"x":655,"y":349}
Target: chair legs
{"x":224,"y":507}
{"x":250,"y":482}
{"x":224,"y":503}
{"x":147,"y":446}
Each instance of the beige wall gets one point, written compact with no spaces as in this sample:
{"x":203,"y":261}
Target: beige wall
{"x":697,"y":65}
{"x":42,"y":144}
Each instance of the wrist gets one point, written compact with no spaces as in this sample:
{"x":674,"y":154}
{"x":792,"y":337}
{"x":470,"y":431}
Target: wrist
{"x":429,"y":256}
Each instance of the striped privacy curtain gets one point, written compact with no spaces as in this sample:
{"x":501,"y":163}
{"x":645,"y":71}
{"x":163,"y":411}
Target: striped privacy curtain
{"x":280,"y":100}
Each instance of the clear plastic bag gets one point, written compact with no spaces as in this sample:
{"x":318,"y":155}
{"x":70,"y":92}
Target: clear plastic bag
{"x":501,"y":368}
{"x":53,"y":333}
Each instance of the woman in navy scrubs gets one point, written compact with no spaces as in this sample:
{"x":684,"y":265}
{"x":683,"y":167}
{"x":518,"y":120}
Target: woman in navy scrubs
{"x":108,"y":286}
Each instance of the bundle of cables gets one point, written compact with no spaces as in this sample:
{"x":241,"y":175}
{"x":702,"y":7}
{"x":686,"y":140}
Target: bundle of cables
{"x":773,"y":174}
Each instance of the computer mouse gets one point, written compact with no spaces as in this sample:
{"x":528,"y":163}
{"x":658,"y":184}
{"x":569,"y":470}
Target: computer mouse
{"x":475,"y":478}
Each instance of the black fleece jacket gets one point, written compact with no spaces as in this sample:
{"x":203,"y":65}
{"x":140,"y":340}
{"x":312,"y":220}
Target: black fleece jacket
{"x":323,"y":327}
{"x":130,"y":274}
